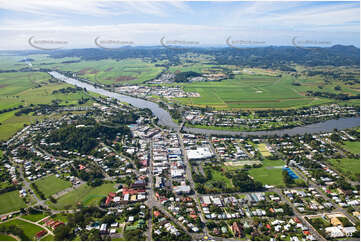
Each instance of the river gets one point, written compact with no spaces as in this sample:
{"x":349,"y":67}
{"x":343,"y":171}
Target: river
{"x":166,"y":120}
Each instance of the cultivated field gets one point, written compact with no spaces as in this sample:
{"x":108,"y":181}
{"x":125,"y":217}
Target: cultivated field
{"x":26,"y":89}
{"x":249,"y":92}
{"x":51,"y":185}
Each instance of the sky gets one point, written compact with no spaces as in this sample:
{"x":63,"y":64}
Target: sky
{"x":31,"y":24}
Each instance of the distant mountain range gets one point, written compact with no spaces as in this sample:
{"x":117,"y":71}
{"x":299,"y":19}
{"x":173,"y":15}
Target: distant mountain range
{"x":267,"y":57}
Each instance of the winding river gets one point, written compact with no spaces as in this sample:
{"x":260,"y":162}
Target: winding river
{"x":166,"y":120}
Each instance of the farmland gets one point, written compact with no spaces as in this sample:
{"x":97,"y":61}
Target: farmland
{"x":10,"y":201}
{"x":270,"y":173}
{"x":29,"y":89}
{"x":107,"y":71}
{"x":51,"y":185}
{"x":85,"y":195}
{"x":249,"y":92}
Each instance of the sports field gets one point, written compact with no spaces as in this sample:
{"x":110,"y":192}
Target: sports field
{"x":238,"y":164}
{"x":270,"y":173}
{"x":51,"y":185}
{"x":10,"y":201}
{"x":249,"y":92}
{"x":352,"y":146}
{"x":35,"y":217}
{"x":349,"y":167}
{"x":85,"y":195}
{"x":29,"y":229}
{"x":263,"y":150}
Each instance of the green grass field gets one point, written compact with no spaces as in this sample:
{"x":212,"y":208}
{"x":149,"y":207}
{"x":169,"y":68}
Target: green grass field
{"x":263,"y":150}
{"x":26,"y":88}
{"x":349,"y":167}
{"x":270,"y":173}
{"x":85,"y":195}
{"x":29,"y":229}
{"x":219,"y":176}
{"x":249,"y":92}
{"x":51,"y":185}
{"x":353,"y":147}
{"x":10,"y":201}
{"x":35,"y":217}
{"x":48,"y":238}
{"x":4,"y":237}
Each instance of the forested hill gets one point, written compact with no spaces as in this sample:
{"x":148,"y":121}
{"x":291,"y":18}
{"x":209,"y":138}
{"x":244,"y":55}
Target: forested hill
{"x":272,"y":56}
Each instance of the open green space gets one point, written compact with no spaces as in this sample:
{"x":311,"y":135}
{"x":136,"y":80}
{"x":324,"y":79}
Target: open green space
{"x":29,"y":229}
{"x":249,"y":92}
{"x":349,"y":167}
{"x":26,"y":89}
{"x":10,"y":201}
{"x":49,"y":237}
{"x":85,"y":195}
{"x":35,"y":217}
{"x":270,"y":173}
{"x":5,"y":237}
{"x":106,"y":71}
{"x":219,"y":177}
{"x":352,"y":146}
{"x":51,"y":185}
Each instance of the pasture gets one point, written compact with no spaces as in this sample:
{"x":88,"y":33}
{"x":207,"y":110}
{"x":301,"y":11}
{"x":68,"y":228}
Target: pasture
{"x":248,"y":92}
{"x":85,"y":195}
{"x":348,"y":167}
{"x":10,"y":201}
{"x":51,"y":185}
{"x":29,"y":88}
{"x":270,"y":173}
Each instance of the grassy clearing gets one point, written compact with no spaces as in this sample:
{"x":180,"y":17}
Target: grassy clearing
{"x":5,"y":237}
{"x":348,"y":167}
{"x":353,"y":147}
{"x":219,"y":177}
{"x":29,"y":229}
{"x":35,"y":217}
{"x":27,"y":88}
{"x":263,"y":150}
{"x":10,"y":201}
{"x":48,"y":238}
{"x":127,"y":71}
{"x":85,"y":195}
{"x":270,"y":173}
{"x":249,"y":92}
{"x":51,"y":185}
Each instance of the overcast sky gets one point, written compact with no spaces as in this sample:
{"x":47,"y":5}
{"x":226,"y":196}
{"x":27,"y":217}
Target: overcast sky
{"x":76,"y":23}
